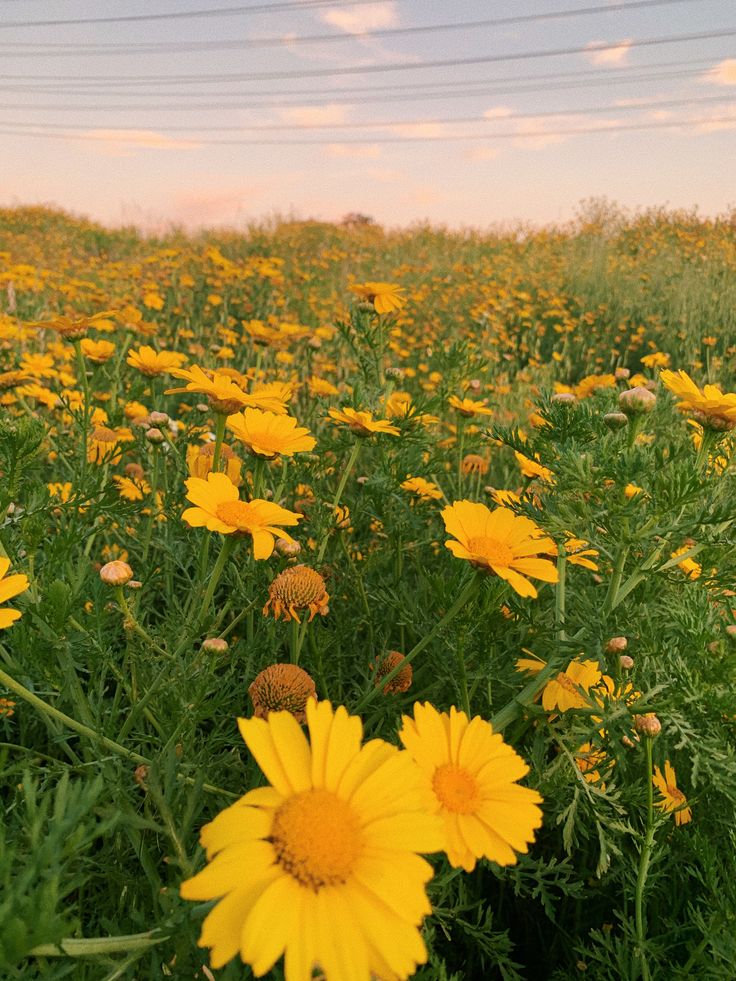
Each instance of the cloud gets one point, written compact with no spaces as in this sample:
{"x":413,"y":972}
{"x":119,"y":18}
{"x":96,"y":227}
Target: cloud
{"x":724,"y":73}
{"x":124,"y":142}
{"x":498,"y":112}
{"x":371,"y":17}
{"x":370,"y":151}
{"x":315,"y":115}
{"x":416,"y":129}
{"x":386,"y":175}
{"x":609,"y":55}
{"x":717,"y":119}
{"x":478,"y":154}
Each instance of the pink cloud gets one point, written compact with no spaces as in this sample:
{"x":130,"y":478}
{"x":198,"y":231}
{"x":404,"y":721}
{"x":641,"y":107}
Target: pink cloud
{"x":124,"y":142}
{"x":608,"y":55}
{"x":724,"y":73}
{"x":371,"y":17}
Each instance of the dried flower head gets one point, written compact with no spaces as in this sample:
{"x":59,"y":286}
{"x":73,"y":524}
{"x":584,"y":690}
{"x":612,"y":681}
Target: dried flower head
{"x":297,"y":588}
{"x":116,"y":573}
{"x":401,"y":681}
{"x":282,"y":688}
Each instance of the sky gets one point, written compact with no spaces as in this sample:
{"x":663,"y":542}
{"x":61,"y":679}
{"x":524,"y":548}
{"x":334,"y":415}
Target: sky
{"x":232,"y":112}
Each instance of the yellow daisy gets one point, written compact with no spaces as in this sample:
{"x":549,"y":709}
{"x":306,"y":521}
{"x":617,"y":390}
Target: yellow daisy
{"x":568,"y":690}
{"x":424,"y":489}
{"x":711,"y":407}
{"x":269,"y":434}
{"x":224,"y":395}
{"x":500,"y":542}
{"x":469,"y":407}
{"x":153,"y":363}
{"x":673,"y":798}
{"x":97,"y":351}
{"x":385,"y":297}
{"x":471,"y":775}
{"x":533,"y":468}
{"x":10,"y":587}
{"x":217,"y":507}
{"x":362,"y":423}
{"x":321,"y":865}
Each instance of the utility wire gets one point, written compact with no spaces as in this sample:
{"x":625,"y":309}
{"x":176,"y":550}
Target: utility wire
{"x":519,"y":134}
{"x":592,"y":73}
{"x":384,"y":123}
{"x":485,"y":92}
{"x":65,"y":49}
{"x":396,"y":66}
{"x":242,"y":9}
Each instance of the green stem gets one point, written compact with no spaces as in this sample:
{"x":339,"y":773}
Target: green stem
{"x":560,"y":593}
{"x":295,"y":645}
{"x":611,"y":600}
{"x":94,"y":946}
{"x":338,"y":493}
{"x":220,"y":422}
{"x":154,"y":504}
{"x":135,"y":626}
{"x":79,"y":727}
{"x":644,"y":859}
{"x":82,"y":370}
{"x":228,"y":544}
{"x":467,"y":594}
{"x":463,"y":677}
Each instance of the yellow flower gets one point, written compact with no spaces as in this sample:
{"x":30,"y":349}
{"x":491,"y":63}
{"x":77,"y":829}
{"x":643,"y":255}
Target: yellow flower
{"x":320,"y":387}
{"x":656,"y":360}
{"x":103,"y":444}
{"x":473,"y":463}
{"x":424,"y":489}
{"x":269,"y":434}
{"x":711,"y":407}
{"x":200,"y":458}
{"x":321,"y":864}
{"x":362,"y":423}
{"x":73,"y":327}
{"x":533,"y":468}
{"x":590,"y":761}
{"x":690,"y":567}
{"x":97,"y":351}
{"x":501,"y":542}
{"x":631,"y":490}
{"x":569,"y":689}
{"x":217,"y":507}
{"x":530,"y":665}
{"x":471,"y":775}
{"x":224,"y":395}
{"x":673,"y":798}
{"x":153,"y":363}
{"x":11,"y":379}
{"x":469,"y":407}
{"x":297,"y":588}
{"x":10,"y":586}
{"x":578,"y":553}
{"x":385,"y":297}
{"x":131,"y":490}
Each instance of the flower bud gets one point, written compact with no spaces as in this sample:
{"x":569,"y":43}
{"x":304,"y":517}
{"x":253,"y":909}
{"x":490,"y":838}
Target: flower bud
{"x":140,"y":774}
{"x":286,"y":548}
{"x":215,"y":645}
{"x":565,"y":398}
{"x":616,"y":645}
{"x":621,"y":374}
{"x":135,"y":584}
{"x":155,"y":436}
{"x":648,"y":725}
{"x":134,"y":470}
{"x":731,"y":630}
{"x":159,"y":418}
{"x":626,"y":662}
{"x":635,"y":401}
{"x":615,"y":420}
{"x":116,"y":573}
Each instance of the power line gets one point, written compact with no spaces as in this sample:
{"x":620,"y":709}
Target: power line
{"x":385,"y":123}
{"x":346,"y":100}
{"x":242,"y":9}
{"x":519,"y":134}
{"x":629,"y":74}
{"x":65,"y":49}
{"x":395,"y":66}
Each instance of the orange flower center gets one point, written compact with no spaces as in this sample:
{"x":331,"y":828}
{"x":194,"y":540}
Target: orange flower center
{"x":237,"y":514}
{"x":317,"y":838}
{"x":491,"y":551}
{"x":676,"y":794}
{"x":456,"y":789}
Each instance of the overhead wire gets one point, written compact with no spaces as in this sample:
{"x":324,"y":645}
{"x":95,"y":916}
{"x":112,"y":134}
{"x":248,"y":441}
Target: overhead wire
{"x":67,"y":49}
{"x":385,"y":123}
{"x":441,"y":138}
{"x":404,"y":66}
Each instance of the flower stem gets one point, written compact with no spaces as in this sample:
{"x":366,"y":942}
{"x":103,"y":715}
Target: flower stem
{"x":94,"y":946}
{"x":467,"y":594}
{"x":82,"y":370}
{"x":228,"y":543}
{"x":560,"y":593}
{"x":220,"y":421}
{"x":136,"y":627}
{"x":644,"y":859}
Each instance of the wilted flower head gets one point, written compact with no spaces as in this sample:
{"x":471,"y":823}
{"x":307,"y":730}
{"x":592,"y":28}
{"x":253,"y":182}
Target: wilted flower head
{"x":282,"y":688}
{"x":401,"y":681}
{"x":297,"y":588}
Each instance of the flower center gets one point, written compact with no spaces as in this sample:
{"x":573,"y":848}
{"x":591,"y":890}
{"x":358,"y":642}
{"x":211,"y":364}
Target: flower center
{"x":317,"y":838}
{"x":237,"y":514}
{"x":676,"y":794}
{"x":490,"y":551}
{"x":456,"y":789}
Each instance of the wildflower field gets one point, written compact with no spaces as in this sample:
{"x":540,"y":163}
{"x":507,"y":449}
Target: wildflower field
{"x":368,"y":601}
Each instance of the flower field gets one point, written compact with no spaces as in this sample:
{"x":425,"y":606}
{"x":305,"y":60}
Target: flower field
{"x":368,"y":601}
